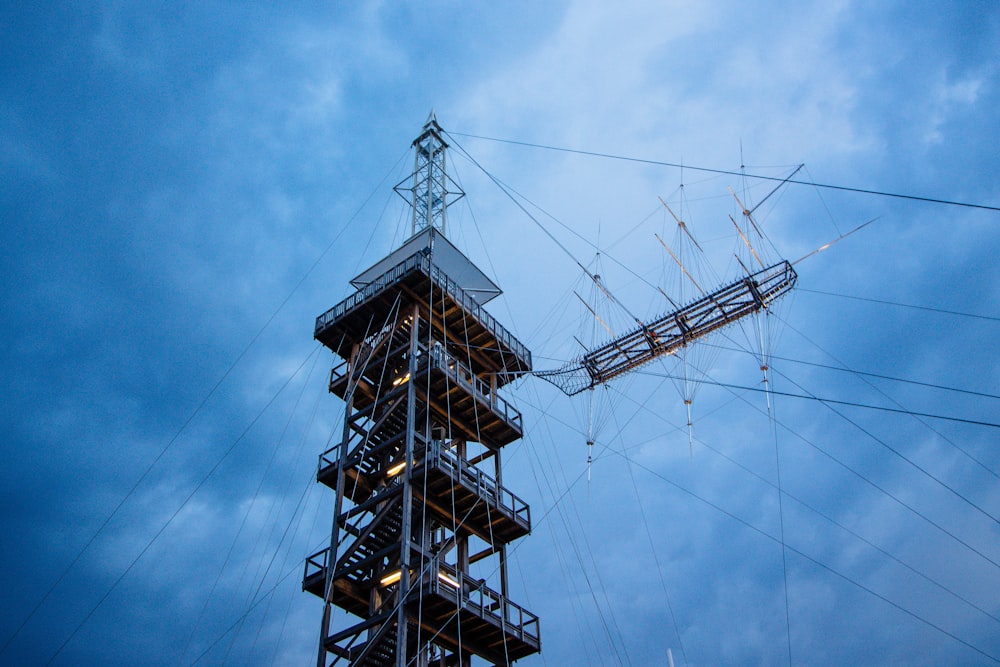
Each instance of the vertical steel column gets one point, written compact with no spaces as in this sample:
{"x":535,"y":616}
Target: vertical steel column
{"x":338,"y":506}
{"x":407,"y":519}
{"x":503,"y":547}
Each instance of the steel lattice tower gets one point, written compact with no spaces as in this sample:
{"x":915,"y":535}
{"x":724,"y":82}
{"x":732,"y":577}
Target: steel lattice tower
{"x":416,"y":509}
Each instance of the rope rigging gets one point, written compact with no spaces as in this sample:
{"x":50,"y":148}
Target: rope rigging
{"x":730,"y":172}
{"x":760,"y":339}
{"x":678,"y":333}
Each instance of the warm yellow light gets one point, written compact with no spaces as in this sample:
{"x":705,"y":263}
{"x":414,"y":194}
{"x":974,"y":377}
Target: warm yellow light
{"x":447,"y":579}
{"x":391,"y":578}
{"x":396,"y":469}
{"x":400,"y":380}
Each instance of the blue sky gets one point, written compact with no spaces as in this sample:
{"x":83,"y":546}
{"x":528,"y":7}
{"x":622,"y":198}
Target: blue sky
{"x":184,"y":188}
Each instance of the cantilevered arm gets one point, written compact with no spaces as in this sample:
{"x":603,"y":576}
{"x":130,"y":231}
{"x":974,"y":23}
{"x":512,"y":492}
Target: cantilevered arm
{"x":674,"y":330}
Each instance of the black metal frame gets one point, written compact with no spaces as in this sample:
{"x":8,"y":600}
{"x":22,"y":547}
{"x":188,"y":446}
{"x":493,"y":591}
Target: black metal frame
{"x":674,"y":330}
{"x":408,"y":498}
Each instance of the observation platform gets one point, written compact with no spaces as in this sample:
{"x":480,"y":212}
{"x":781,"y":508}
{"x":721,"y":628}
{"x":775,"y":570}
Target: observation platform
{"x":348,"y":595}
{"x":454,"y":311}
{"x":443,"y":598}
{"x":454,"y":488}
{"x":455,"y":394}
{"x":492,"y":627}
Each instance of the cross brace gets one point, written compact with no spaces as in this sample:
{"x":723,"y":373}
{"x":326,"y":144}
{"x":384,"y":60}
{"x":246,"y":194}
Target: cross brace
{"x":674,"y":330}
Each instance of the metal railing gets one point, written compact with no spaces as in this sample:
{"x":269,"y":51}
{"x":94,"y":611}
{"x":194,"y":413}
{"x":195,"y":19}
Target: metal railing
{"x":419,"y":261}
{"x":463,"y":376}
{"x":475,"y":596}
{"x":316,"y":564}
{"x":485,"y":319}
{"x":384,"y":281}
{"x":476,"y":480}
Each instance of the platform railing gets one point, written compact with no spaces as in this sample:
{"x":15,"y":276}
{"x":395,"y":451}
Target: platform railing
{"x":387,"y":279}
{"x":474,"y":307}
{"x":473,"y":595}
{"x":419,"y":261}
{"x":475,"y":479}
{"x":463,"y":376}
{"x":316,"y":564}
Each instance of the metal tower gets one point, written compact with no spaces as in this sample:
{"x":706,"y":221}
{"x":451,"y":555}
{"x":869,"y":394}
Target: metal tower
{"x":429,"y":195}
{"x":417,"y":556}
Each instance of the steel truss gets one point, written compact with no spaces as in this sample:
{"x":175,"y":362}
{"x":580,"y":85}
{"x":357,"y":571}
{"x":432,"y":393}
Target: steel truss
{"x":674,"y":330}
{"x":423,"y":366}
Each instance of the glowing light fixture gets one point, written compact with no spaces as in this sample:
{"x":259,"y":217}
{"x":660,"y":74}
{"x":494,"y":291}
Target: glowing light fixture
{"x":401,"y":380}
{"x":395,"y":469}
{"x":445,"y":578}
{"x":391,"y":578}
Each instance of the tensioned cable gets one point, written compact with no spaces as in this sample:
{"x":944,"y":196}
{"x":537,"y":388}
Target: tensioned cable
{"x":820,"y":564}
{"x":245,"y":614}
{"x":390,"y":332}
{"x":833,"y":401}
{"x":563,"y":567}
{"x":961,"y":450}
{"x":551,"y":236}
{"x":503,"y":552}
{"x":276,"y":643}
{"x":515,"y":547}
{"x":589,"y":550}
{"x":556,"y":506}
{"x":722,"y":510}
{"x":246,"y":515}
{"x":910,"y":412}
{"x":730,"y":172}
{"x":296,"y":517}
{"x":810,"y":558}
{"x":510,"y":191}
{"x":194,"y":413}
{"x":503,"y":564}
{"x":816,"y":511}
{"x":885,"y":492}
{"x":903,"y":457}
{"x":303,"y":505}
{"x":267,"y":521}
{"x":862,"y":375}
{"x":773,"y":422}
{"x":424,"y":570}
{"x":843,"y":369}
{"x":176,"y":512}
{"x":428,"y":444}
{"x":652,"y":548}
{"x":447,"y":386}
{"x":274,"y":555}
{"x":872,"y":406}
{"x":296,"y":521}
{"x":875,"y":486}
{"x":901,"y":305}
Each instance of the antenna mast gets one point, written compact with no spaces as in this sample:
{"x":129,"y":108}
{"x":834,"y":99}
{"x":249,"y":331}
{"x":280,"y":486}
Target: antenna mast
{"x":431,"y":191}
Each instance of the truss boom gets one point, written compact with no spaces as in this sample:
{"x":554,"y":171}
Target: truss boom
{"x":674,"y":330}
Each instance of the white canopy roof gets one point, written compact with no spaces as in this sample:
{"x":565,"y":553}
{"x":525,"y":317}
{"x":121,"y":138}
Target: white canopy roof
{"x":445,"y":256}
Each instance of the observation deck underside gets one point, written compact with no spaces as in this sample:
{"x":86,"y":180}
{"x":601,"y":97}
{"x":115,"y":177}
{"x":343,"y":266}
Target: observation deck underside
{"x":454,"y":313}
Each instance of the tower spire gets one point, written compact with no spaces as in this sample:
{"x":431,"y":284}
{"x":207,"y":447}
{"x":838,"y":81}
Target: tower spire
{"x":430,"y":191}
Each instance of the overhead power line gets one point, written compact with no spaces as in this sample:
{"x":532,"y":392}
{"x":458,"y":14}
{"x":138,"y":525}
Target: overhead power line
{"x":730,"y":172}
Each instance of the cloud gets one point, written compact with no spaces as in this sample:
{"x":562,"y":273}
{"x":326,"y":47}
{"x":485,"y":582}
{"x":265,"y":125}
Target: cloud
{"x":172,"y":175}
